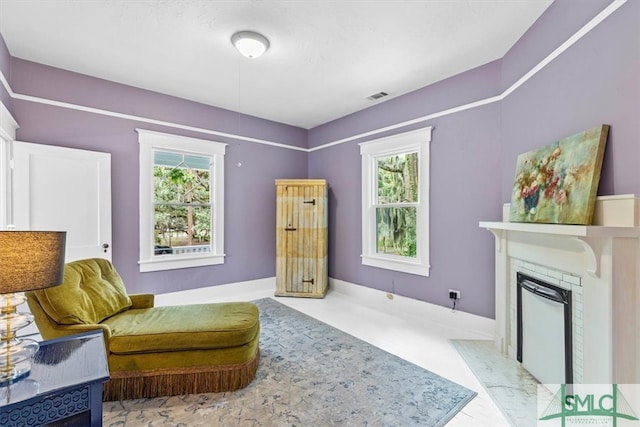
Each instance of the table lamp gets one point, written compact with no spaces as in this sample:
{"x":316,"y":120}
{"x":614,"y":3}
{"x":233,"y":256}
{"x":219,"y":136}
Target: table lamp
{"x":29,"y":260}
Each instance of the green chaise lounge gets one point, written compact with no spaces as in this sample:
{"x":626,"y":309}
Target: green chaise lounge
{"x":152,"y":351}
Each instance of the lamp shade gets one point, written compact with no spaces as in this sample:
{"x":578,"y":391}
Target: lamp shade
{"x":31,"y":260}
{"x":250,"y":43}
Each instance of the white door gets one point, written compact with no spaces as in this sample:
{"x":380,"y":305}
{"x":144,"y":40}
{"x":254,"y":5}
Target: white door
{"x":64,"y":189}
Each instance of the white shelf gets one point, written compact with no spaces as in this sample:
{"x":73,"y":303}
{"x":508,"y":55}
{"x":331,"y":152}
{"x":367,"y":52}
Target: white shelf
{"x":600,"y":231}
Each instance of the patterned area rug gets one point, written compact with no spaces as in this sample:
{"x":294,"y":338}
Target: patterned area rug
{"x":310,"y":374}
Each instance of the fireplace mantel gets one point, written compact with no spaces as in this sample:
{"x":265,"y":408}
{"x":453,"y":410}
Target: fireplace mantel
{"x":599,"y":231}
{"x":606,"y":258}
{"x":589,"y":237}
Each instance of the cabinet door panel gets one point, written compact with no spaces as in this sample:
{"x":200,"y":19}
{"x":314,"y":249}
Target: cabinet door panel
{"x":300,"y":226}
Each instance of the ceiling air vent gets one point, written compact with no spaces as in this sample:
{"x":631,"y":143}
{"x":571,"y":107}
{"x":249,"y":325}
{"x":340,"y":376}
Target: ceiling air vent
{"x":377,"y":96}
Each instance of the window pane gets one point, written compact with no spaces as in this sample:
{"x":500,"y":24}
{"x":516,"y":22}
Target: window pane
{"x":167,"y":158}
{"x":182,"y":229}
{"x":398,"y":178}
{"x":182,"y":221}
{"x":396,"y":231}
{"x":179,"y":179}
{"x":182,"y":203}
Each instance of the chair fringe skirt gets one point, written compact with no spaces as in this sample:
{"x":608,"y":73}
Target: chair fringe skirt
{"x":179,"y":381}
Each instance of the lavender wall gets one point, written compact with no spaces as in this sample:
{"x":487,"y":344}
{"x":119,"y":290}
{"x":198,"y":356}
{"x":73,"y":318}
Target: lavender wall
{"x":474,"y":152}
{"x":249,"y":189}
{"x":465,"y":176}
{"x":596,"y":81}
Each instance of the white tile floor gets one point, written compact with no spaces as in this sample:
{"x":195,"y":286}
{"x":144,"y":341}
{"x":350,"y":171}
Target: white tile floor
{"x":420,"y":342}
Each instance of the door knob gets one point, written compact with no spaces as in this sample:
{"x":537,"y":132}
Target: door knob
{"x":105,"y":246}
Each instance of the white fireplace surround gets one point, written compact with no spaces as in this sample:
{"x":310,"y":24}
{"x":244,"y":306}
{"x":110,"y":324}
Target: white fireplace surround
{"x":601,"y":262}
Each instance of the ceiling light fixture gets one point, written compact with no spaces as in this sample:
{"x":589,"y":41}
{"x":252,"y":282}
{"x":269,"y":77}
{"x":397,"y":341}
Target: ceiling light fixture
{"x":250,"y":43}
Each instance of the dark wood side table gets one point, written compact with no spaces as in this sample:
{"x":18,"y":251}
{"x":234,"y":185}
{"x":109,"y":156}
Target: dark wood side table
{"x":64,"y":387}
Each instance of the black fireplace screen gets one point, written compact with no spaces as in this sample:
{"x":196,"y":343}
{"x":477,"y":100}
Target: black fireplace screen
{"x":555,"y":294}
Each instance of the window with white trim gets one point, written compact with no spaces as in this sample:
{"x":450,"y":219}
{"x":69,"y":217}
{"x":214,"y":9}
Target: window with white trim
{"x":395,"y":202}
{"x":181,"y":201}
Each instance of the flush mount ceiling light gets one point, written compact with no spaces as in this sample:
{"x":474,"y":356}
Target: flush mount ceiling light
{"x":250,"y":43}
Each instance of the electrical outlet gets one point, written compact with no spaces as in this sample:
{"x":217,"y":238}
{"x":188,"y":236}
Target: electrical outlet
{"x":454,"y":294}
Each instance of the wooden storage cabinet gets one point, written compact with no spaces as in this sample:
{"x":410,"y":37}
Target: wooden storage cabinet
{"x":301,"y":238}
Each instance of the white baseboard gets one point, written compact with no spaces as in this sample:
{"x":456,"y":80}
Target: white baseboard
{"x":414,"y":308}
{"x":239,"y":291}
{"x":372,"y":298}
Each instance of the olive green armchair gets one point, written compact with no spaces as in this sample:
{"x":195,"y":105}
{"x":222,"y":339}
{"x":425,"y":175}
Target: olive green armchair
{"x":152,"y":351}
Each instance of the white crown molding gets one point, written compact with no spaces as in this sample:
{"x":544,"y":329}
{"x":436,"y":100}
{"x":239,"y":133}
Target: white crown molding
{"x":553,"y":55}
{"x":8,"y":124}
{"x":410,"y":122}
{"x":615,"y":5}
{"x":151,"y":121}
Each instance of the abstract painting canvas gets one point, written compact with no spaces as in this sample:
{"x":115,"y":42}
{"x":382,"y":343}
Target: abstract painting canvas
{"x":558,"y":183}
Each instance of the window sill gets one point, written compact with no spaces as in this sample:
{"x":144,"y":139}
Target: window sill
{"x":173,"y":262}
{"x":396,"y":264}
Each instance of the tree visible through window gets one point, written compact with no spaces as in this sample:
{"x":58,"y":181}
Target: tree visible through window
{"x":396,"y":204}
{"x":181,"y":201}
{"x":182,"y":208}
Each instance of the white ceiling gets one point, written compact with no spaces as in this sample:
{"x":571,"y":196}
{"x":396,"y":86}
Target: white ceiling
{"x":326,"y":56}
